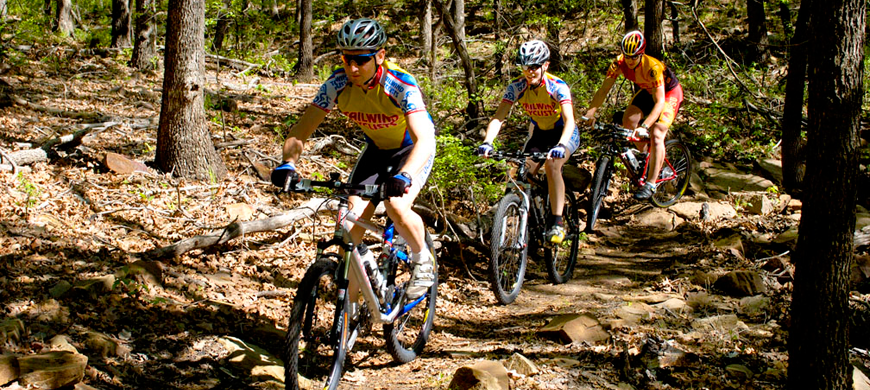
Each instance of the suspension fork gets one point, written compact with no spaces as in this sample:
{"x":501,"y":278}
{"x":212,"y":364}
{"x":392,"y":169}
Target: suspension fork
{"x":524,"y":190}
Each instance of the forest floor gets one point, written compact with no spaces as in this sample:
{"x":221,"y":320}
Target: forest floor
{"x":73,"y":232}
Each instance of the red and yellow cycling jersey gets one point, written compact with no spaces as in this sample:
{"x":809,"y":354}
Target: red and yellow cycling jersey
{"x":544,"y":105}
{"x":379,"y":110}
{"x":649,"y":74}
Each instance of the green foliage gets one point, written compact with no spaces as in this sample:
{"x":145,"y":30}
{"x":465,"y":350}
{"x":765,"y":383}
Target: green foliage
{"x":31,"y":190}
{"x":456,"y":173}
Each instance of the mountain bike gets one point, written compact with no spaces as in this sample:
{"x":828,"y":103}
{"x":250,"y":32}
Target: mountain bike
{"x":614,"y":139}
{"x":324,"y":324}
{"x":519,"y":220}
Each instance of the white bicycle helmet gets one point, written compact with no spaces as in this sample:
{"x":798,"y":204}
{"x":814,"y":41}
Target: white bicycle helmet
{"x":534,"y":52}
{"x":361,"y":34}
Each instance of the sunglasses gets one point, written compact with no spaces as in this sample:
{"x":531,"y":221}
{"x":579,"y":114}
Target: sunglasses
{"x":359,"y":59}
{"x":531,"y":68}
{"x":634,"y":57}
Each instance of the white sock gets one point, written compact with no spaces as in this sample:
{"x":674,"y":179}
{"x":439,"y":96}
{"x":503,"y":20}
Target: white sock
{"x":416,"y":256}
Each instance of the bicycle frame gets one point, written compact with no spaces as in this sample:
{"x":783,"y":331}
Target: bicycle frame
{"x":523,"y":187}
{"x":616,"y":147}
{"x":352,"y":266}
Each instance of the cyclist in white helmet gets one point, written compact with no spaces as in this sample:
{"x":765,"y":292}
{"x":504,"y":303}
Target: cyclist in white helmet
{"x":386,"y":102}
{"x":547,"y":100}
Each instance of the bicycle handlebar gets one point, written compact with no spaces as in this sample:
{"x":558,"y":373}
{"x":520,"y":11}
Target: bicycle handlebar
{"x":617,"y":132}
{"x":516,"y":155}
{"x":366,"y":191}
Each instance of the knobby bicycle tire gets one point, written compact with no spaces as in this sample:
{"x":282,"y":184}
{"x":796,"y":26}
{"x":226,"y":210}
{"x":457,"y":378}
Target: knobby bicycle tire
{"x":508,"y":254}
{"x":598,"y":190}
{"x":315,"y":349}
{"x":561,"y":258}
{"x":675,"y":172}
{"x":406,"y":337}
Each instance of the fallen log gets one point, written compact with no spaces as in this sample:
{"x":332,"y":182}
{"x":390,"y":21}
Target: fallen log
{"x":30,"y":156}
{"x":237,"y":229}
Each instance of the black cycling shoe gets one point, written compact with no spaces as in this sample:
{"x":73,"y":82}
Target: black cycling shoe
{"x":644,"y":193}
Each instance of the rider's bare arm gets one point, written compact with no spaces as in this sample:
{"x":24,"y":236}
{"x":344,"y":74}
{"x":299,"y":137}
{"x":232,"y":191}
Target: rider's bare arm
{"x":299,"y":133}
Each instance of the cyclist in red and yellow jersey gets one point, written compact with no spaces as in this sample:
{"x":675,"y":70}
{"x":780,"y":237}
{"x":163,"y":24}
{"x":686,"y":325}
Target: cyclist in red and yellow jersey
{"x":386,"y":102}
{"x":652,"y":108}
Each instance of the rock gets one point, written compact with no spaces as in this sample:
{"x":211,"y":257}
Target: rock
{"x":727,"y":180}
{"x":106,"y":345}
{"x":522,"y":365}
{"x":674,"y":305}
{"x":62,"y":343}
{"x":741,"y":283}
{"x":96,"y":286}
{"x":754,"y":305}
{"x":52,"y":370}
{"x":255,"y":360}
{"x":739,"y":371}
{"x":860,"y":278}
{"x":634,"y":312}
{"x":788,"y":237}
{"x":775,"y":264}
{"x":794,"y":205}
{"x":715,"y":210}
{"x":151,"y":272}
{"x":859,"y":380}
{"x":576,"y":178}
{"x":658,"y":218}
{"x":760,"y":204}
{"x":732,"y":244}
{"x":8,"y":368}
{"x":726,"y":323}
{"x":574,"y":328}
{"x":59,"y":289}
{"x":123,"y":165}
{"x":772,"y":168}
{"x":11,"y":331}
{"x":264,"y":172}
{"x":240,"y":212}
{"x":485,"y":375}
{"x":696,"y":184}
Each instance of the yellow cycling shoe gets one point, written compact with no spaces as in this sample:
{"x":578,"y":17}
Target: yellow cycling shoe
{"x":556,"y":234}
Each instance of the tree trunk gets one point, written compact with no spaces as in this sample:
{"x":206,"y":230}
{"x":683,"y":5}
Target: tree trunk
{"x":629,"y":13}
{"x":46,"y":7}
{"x":3,"y":9}
{"x":653,"y":16}
{"x":675,"y":21}
{"x":433,"y":54}
{"x":757,"y":47}
{"x":553,"y":28}
{"x":818,"y":342}
{"x":499,"y":44}
{"x":63,"y":17}
{"x":459,"y":18}
{"x":305,"y":72}
{"x":184,"y":145}
{"x":222,"y":26}
{"x":426,"y":28}
{"x":785,"y":17}
{"x":121,"y":17}
{"x":793,"y":158}
{"x":475,"y":107}
{"x":145,"y":45}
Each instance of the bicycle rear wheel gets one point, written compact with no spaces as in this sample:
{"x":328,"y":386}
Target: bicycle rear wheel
{"x":509,"y":254}
{"x":562,"y":258}
{"x":315,"y":347}
{"x":598,"y":190}
{"x":674,"y":176}
{"x":406,"y":337}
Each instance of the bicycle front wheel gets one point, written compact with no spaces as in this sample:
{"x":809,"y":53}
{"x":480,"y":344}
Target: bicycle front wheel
{"x":509,"y":250}
{"x":561,"y":258}
{"x":674,"y":176}
{"x":406,"y":337}
{"x":315,"y":347}
{"x":598,"y":190}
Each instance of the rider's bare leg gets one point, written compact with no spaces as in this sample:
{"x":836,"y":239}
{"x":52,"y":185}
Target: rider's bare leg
{"x":556,"y":184}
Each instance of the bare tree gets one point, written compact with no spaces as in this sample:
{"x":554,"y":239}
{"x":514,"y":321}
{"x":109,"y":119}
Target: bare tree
{"x":426,"y":27}
{"x":793,"y":158}
{"x":145,"y":42}
{"x":305,"y":68}
{"x":629,"y":13}
{"x":500,"y":47}
{"x":63,"y":18}
{"x":222,"y":26}
{"x":554,"y":43}
{"x":757,"y":18}
{"x":184,"y":145}
{"x":475,"y":107}
{"x":121,"y":23}
{"x":653,"y":16}
{"x":818,"y":344}
{"x":459,"y":18}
